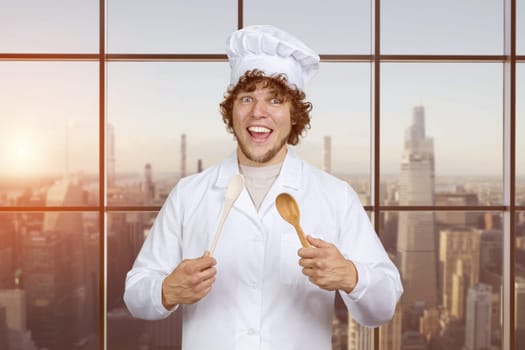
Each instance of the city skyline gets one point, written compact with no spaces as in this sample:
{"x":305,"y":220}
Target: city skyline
{"x":38,"y":146}
{"x":466,"y":257}
{"x":162,"y":121}
{"x":463,"y":99}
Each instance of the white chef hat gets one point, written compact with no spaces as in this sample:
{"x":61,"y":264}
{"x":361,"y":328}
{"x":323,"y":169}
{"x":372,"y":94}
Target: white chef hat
{"x":272,"y":51}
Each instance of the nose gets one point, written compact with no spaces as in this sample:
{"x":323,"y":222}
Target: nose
{"x":259,"y":109}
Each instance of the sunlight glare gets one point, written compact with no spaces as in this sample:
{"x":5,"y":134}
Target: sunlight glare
{"x":21,"y":153}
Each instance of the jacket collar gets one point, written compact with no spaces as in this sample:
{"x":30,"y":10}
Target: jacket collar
{"x":290,"y":175}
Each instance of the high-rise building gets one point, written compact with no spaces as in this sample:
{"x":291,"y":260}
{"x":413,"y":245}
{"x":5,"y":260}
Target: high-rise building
{"x":148,"y":187}
{"x":491,"y":260}
{"x":199,"y":165}
{"x":183,"y":155}
{"x":459,"y":256}
{"x":390,"y":333}
{"x":413,"y":340}
{"x":112,"y":175}
{"x":478,"y":318}
{"x":359,"y":337}
{"x":55,"y":274}
{"x":4,"y":342}
{"x":416,"y":239}
{"x":327,"y":154}
{"x":519,"y":315}
{"x":49,"y":291}
{"x":14,"y":303}
{"x":457,"y":218}
{"x":7,"y":251}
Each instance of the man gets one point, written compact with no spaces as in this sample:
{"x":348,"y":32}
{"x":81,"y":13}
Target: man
{"x":260,"y":290}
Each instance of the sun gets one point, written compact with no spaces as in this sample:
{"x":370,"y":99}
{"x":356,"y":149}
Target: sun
{"x":23,"y":159}
{"x":21,"y":153}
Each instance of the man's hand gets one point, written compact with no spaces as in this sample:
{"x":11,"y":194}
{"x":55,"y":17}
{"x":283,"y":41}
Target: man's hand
{"x":326,"y":267}
{"x":189,"y":282}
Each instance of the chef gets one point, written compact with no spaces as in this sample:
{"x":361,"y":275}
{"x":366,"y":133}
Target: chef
{"x":260,"y":289}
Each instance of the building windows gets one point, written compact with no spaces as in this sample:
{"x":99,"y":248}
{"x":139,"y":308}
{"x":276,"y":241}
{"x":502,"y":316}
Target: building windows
{"x":95,"y":134}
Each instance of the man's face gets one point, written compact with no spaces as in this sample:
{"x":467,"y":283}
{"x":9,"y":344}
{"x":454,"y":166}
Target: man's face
{"x":261,"y":124}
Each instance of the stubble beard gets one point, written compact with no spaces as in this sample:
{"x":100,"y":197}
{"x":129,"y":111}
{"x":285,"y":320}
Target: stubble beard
{"x":266,"y":157}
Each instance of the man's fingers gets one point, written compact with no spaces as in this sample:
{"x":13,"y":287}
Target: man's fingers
{"x":307,"y":263}
{"x":195,"y":265}
{"x":203,"y":285}
{"x":317,"y":242}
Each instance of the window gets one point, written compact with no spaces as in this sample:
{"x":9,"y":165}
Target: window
{"x":105,"y":105}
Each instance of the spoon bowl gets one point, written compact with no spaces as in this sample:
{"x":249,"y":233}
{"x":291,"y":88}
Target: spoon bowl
{"x":289,"y":211}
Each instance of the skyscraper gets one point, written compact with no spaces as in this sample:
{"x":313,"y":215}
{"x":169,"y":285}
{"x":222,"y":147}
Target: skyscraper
{"x":478,"y":318}
{"x":327,"y":154}
{"x":14,"y":303}
{"x":112,"y":176}
{"x":459,"y":256}
{"x":519,"y":315}
{"x":416,"y":239}
{"x":183,"y":155}
{"x":54,"y":275}
{"x":148,"y":187}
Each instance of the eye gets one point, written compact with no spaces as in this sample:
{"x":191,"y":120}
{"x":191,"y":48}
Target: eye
{"x":245,"y":99}
{"x":276,"y":101}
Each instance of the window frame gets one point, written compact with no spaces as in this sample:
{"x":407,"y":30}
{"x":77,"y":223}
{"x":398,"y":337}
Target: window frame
{"x":509,"y":59}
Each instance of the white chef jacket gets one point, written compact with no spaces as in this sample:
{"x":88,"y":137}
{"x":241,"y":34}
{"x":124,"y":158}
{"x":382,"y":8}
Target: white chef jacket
{"x":261,"y":299}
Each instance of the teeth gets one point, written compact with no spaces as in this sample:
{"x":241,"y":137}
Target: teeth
{"x":259,"y":129}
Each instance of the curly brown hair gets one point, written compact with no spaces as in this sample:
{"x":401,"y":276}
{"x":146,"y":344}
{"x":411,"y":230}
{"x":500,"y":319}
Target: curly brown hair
{"x":300,"y":109}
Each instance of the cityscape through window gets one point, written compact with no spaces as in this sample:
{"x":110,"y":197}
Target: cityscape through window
{"x":106,"y":105}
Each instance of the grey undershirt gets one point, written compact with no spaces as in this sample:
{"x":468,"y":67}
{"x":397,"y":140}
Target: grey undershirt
{"x":259,"y":180}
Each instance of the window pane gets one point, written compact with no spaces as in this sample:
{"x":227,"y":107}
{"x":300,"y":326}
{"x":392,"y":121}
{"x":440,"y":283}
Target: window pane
{"x":452,"y":278}
{"x":444,"y":27}
{"x":520,"y":134}
{"x":49,"y":280}
{"x":519,"y":287}
{"x":48,"y":132}
{"x":328,"y":27}
{"x":339,"y":140}
{"x":441,"y":134}
{"x":152,"y":108}
{"x":126,"y":233}
{"x":53,"y":26}
{"x":167,"y":26}
{"x":520,"y":27}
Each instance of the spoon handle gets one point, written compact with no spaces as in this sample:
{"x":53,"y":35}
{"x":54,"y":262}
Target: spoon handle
{"x":225,"y":210}
{"x":302,"y":237}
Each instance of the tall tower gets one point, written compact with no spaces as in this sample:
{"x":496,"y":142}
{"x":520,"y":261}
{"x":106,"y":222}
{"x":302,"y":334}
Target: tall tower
{"x":416,"y":239}
{"x":359,"y":337}
{"x":14,"y":303}
{"x":479,"y":317}
{"x":183,"y":155}
{"x":148,"y":187}
{"x":519,"y":316}
{"x":459,"y":256}
{"x":54,"y":277}
{"x":111,"y":157}
{"x":199,"y":165}
{"x":327,"y":154}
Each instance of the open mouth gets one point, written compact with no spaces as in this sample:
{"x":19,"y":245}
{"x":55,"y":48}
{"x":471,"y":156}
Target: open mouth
{"x":259,"y":133}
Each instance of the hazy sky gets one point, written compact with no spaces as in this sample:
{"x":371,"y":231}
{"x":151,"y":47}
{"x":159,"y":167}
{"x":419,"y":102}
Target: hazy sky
{"x":151,"y":104}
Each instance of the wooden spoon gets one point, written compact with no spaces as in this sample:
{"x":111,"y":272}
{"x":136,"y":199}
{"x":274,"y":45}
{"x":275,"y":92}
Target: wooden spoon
{"x":289,"y":210}
{"x":233,"y":191}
